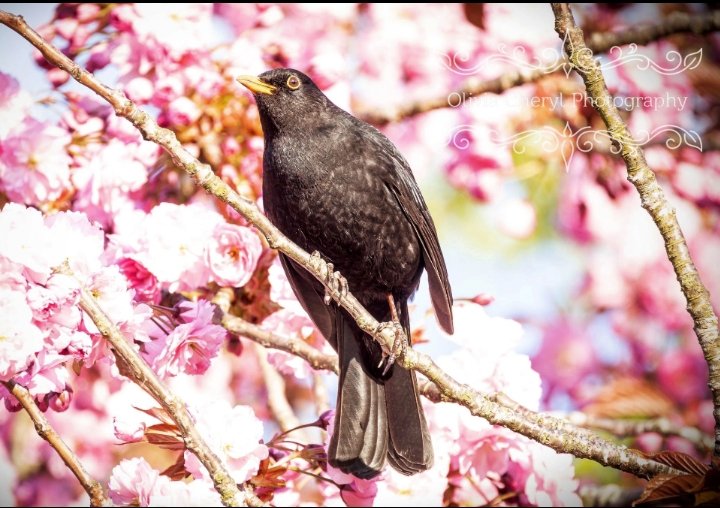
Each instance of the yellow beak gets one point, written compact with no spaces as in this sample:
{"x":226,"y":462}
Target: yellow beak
{"x":257,"y":85}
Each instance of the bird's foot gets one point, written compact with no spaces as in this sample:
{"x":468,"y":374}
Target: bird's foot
{"x":399,"y":346}
{"x":334,"y":281}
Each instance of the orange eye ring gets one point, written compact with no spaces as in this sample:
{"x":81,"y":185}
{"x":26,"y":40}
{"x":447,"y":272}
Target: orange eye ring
{"x":293,"y":82}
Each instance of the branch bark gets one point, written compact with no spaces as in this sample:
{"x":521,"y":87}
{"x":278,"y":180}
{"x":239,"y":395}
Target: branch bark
{"x":652,"y":198}
{"x":48,"y":433}
{"x":601,"y":42}
{"x":550,"y":431}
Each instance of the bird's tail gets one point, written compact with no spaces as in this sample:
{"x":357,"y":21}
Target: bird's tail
{"x":376,"y":417}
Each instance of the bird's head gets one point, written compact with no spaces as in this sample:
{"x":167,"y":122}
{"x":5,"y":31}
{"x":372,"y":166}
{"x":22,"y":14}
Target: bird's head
{"x":287,"y":99}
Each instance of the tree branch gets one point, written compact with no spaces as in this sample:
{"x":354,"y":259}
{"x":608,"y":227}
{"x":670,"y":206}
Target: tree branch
{"x":550,"y":431}
{"x":46,"y":431}
{"x":661,"y":426}
{"x":652,"y":198}
{"x":601,"y":42}
{"x":279,"y":405}
{"x":134,"y":367}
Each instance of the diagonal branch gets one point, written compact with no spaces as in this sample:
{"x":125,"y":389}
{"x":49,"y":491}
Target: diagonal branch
{"x":600,"y":42}
{"x":46,"y":431}
{"x":652,"y":198}
{"x":134,"y":367}
{"x":551,"y":432}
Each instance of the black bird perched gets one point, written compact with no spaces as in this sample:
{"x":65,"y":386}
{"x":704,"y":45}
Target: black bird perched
{"x":335,"y":185}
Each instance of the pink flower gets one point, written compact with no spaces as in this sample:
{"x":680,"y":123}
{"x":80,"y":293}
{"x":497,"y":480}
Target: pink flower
{"x":487,"y":359}
{"x":47,"y":375}
{"x":34,"y":163}
{"x":195,"y":493}
{"x":14,"y":104}
{"x":191,"y":346}
{"x":56,"y":301}
{"x":545,"y":476}
{"x":683,"y":375}
{"x":20,"y":339}
{"x":109,"y":289}
{"x":73,"y":238}
{"x":477,"y":162}
{"x":232,"y":254}
{"x":170,"y":242}
{"x":141,"y":280}
{"x":27,"y":241}
{"x":242,"y":451}
{"x":105,"y":178}
{"x":566,"y":356}
{"x":182,"y":112}
{"x":133,"y":482}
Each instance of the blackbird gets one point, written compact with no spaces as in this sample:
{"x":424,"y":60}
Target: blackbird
{"x":335,"y":185}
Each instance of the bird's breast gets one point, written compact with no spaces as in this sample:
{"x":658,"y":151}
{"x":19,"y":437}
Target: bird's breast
{"x":329,"y":201}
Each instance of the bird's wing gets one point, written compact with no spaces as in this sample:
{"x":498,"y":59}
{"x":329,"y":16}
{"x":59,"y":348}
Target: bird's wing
{"x":401,"y":183}
{"x":310,"y":294}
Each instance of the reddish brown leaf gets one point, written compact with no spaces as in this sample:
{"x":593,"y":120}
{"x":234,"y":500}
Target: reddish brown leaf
{"x":669,"y":488}
{"x":157,"y":413}
{"x":171,"y":442}
{"x":629,"y":397}
{"x":681,"y":461}
{"x":164,"y":428}
{"x":177,"y":471}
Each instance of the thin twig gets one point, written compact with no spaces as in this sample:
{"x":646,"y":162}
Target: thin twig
{"x":278,"y":403}
{"x":46,"y":431}
{"x":320,"y":393}
{"x":652,"y":199}
{"x":550,"y":431}
{"x":662,"y":426}
{"x":601,"y":42}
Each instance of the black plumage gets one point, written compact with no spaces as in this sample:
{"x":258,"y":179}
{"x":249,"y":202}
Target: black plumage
{"x":336,"y":185}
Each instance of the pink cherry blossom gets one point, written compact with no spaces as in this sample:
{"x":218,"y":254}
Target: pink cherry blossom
{"x":196,"y":493}
{"x":232,"y":254}
{"x":21,"y":339}
{"x":487,"y":359}
{"x":106,"y":179}
{"x":240,"y":451}
{"x":190,"y":346}
{"x":14,"y":104}
{"x":133,"y":482}
{"x":170,"y":242}
{"x":182,"y":112}
{"x":144,"y":283}
{"x":27,"y":241}
{"x":34,"y":163}
{"x":110,"y":290}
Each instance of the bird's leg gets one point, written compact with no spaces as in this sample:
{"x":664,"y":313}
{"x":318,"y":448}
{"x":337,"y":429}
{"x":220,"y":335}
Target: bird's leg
{"x":399,"y":346}
{"x":333,"y":280}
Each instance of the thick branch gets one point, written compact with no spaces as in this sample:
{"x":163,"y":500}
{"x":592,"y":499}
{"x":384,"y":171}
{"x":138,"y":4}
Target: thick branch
{"x":45,"y":431}
{"x":134,"y":367}
{"x":652,"y":198}
{"x":551,"y":432}
{"x":601,"y":42}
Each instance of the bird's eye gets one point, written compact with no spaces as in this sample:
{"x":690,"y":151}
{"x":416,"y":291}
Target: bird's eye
{"x":293,"y":82}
